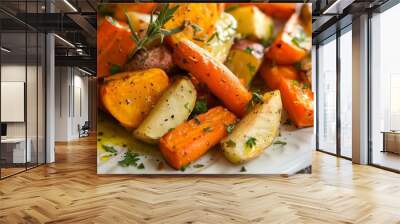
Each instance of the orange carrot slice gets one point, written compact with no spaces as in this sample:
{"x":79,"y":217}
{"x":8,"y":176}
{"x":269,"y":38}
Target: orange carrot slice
{"x":219,"y":79}
{"x":190,"y":140}
{"x":298,"y":99}
{"x":273,"y":74}
{"x":114,"y":45}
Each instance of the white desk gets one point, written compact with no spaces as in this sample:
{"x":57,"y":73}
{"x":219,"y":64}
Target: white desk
{"x":18,"y":150}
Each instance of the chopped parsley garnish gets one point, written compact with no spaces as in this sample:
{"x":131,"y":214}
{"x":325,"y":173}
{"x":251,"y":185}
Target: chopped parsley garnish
{"x":243,"y":169}
{"x":214,"y":35}
{"x":280,"y":143}
{"x":251,"y":142}
{"x":110,"y":149}
{"x":299,"y":38}
{"x":232,"y":8}
{"x":266,"y":42}
{"x":297,"y":65}
{"x":196,"y":28}
{"x":257,"y":98}
{"x":200,"y":107}
{"x":252,"y":68}
{"x":207,"y":129}
{"x":197,"y":120}
{"x":198,"y":166}
{"x":229,"y":128}
{"x":248,"y":50}
{"x":130,"y":159}
{"x":295,"y":82}
{"x":187,"y":106}
{"x":141,"y":166}
{"x":114,"y":69}
{"x":183,"y":168}
{"x":230,"y":144}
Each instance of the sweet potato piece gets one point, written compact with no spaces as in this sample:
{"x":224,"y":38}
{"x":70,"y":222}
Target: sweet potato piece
{"x":281,"y":11}
{"x":200,"y":20}
{"x":129,"y":96}
{"x":291,"y":45}
{"x":298,"y":99}
{"x":273,"y":74}
{"x":192,"y":139}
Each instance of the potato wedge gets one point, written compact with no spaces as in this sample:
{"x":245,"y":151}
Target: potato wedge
{"x":256,"y":131}
{"x":172,"y":109}
{"x":129,"y":96}
{"x":253,"y":23}
{"x":245,"y":59}
{"x":219,"y":46}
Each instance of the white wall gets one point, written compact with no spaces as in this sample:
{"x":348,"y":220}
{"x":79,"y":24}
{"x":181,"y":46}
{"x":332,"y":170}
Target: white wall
{"x":71,"y":94}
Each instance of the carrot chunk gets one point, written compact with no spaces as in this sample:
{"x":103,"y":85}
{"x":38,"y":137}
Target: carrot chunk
{"x":298,"y":99}
{"x":190,"y":140}
{"x":218,"y":78}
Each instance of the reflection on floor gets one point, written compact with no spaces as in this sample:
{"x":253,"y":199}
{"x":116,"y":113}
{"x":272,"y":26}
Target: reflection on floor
{"x":70,"y":191}
{"x":387,"y":159}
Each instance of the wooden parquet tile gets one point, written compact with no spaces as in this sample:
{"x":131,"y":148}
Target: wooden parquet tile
{"x":69,"y":191}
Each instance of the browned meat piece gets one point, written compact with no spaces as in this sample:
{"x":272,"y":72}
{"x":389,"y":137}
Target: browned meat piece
{"x":159,"y":57}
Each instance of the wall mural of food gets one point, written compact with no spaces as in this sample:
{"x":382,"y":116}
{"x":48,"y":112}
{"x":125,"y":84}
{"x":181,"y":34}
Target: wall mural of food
{"x":204,"y":88}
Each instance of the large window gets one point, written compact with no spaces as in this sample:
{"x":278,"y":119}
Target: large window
{"x":22,"y":78}
{"x":385,"y":89}
{"x":327,"y":96}
{"x":346,"y":92}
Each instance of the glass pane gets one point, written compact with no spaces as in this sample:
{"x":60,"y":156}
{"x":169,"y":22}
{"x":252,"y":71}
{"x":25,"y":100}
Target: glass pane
{"x":346,"y":93}
{"x":13,"y":80}
{"x":31,"y":98}
{"x":327,"y":96}
{"x":41,"y":99}
{"x":385,"y":89}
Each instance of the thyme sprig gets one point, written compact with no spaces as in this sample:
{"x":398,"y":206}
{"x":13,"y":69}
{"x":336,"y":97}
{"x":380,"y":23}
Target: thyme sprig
{"x":155,"y":30}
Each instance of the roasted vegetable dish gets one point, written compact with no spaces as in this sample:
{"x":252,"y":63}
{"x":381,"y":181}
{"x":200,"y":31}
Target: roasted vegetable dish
{"x":187,"y":77}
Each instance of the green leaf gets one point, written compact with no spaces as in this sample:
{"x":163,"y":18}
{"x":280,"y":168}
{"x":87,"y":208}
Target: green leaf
{"x":251,"y":142}
{"x":280,"y":143}
{"x":141,"y":166}
{"x":200,"y":107}
{"x":232,"y":8}
{"x":198,"y":166}
{"x":183,"y":168}
{"x":130,"y":159}
{"x":114,"y":69}
{"x":197,"y":120}
{"x":229,"y":128}
{"x":110,"y":149}
{"x":230,"y":144}
{"x":248,"y":50}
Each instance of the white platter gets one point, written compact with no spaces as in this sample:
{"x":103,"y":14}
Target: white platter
{"x":277,"y":159}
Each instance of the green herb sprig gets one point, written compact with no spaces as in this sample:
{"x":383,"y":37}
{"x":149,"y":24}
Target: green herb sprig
{"x":155,"y":29}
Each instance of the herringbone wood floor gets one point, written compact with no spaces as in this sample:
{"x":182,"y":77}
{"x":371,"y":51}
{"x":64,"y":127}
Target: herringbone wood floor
{"x":69,"y":191}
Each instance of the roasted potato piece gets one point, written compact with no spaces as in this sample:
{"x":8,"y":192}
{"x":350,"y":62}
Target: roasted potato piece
{"x":199,"y":20}
{"x":291,"y":45}
{"x":253,"y":23}
{"x":172,"y":109}
{"x":219,"y":44}
{"x":244,"y":60}
{"x":256,"y":131}
{"x":129,"y":96}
